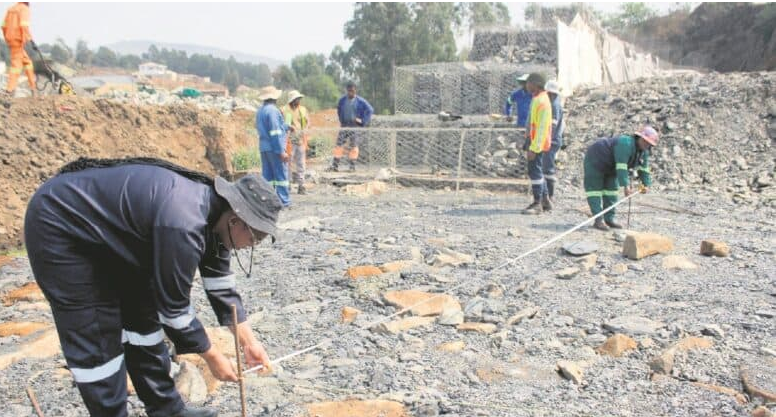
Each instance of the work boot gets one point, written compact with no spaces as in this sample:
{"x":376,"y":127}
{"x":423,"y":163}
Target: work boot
{"x":600,"y":225}
{"x":301,"y":190}
{"x":546,"y":203}
{"x":534,"y":208}
{"x":196,"y":412}
{"x":613,"y":224}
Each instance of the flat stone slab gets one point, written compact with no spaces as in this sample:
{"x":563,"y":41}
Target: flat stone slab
{"x":581,"y":248}
{"x":633,"y":325}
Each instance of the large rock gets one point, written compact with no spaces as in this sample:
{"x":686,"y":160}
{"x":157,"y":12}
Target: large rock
{"x":190,"y":383}
{"x":27,"y":292}
{"x":581,"y":248}
{"x":710,"y":247}
{"x":677,"y":262}
{"x":617,"y":345}
{"x":349,"y":314}
{"x":640,"y":245}
{"x":356,"y":408}
{"x":407,"y":323}
{"x":484,"y":328}
{"x":633,"y":325}
{"x":44,"y":346}
{"x":571,"y":371}
{"x":664,"y":362}
{"x":367,"y":189}
{"x":432,"y":304}
{"x":361,"y":271}
{"x":448,"y":257}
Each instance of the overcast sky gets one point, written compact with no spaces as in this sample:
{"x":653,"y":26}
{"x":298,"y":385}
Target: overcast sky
{"x":276,"y":30}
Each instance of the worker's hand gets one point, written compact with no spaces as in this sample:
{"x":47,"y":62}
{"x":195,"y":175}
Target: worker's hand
{"x":219,"y":365}
{"x":284,"y":157}
{"x":359,"y":121}
{"x":255,"y":354}
{"x":643,"y":189}
{"x":529,"y":155}
{"x":628,"y":190}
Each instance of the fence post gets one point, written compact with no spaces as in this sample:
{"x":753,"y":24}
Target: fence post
{"x":460,"y":162}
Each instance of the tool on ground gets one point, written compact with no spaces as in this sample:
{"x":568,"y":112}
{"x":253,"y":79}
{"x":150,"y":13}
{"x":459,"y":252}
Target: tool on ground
{"x":239,"y":361}
{"x":55,"y":79}
{"x":629,"y":211}
{"x":289,"y":356}
{"x":34,"y":400}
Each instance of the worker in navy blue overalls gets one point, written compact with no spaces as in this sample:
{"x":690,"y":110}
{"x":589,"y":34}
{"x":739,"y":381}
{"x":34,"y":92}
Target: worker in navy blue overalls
{"x":114,"y":245}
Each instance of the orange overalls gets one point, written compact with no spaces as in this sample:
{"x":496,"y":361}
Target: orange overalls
{"x":16,"y":30}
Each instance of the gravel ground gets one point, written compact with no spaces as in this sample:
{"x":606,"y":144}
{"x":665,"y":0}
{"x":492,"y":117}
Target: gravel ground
{"x":299,"y":288}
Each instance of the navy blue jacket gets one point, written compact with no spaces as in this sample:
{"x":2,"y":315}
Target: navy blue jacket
{"x":364,"y":112}
{"x":158,"y":222}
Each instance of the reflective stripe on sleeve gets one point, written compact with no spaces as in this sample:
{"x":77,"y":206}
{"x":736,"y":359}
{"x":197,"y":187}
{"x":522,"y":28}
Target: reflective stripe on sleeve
{"x":87,"y":375}
{"x":621,"y":166}
{"x":137,"y":339}
{"x":275,"y":132}
{"x":220,"y":283}
{"x":180,"y":322}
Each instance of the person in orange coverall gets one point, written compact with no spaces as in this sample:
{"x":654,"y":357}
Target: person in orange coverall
{"x":16,"y":31}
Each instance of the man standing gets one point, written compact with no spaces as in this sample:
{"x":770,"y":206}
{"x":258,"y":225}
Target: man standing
{"x":296,"y":116}
{"x":16,"y":31}
{"x":272,"y":142}
{"x":538,"y":141}
{"x":114,"y":245}
{"x":607,"y":167}
{"x":521,"y":100}
{"x":354,"y":112}
{"x":548,"y":158}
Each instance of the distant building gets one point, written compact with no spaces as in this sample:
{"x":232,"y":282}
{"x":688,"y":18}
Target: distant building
{"x":152,"y":69}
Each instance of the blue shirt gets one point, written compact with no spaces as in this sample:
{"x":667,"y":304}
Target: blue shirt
{"x":272,"y":129}
{"x":521,"y":99}
{"x":363,"y":111}
{"x":557,"y":122}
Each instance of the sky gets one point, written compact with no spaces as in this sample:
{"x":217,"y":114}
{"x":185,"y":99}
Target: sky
{"x":276,"y":30}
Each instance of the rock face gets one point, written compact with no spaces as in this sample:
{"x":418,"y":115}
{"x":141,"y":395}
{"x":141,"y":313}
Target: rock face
{"x":354,"y":408}
{"x":432,"y":304}
{"x":640,"y":245}
{"x":711,"y":247}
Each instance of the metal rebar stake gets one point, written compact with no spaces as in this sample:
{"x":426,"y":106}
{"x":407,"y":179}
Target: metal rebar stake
{"x":239,"y":362}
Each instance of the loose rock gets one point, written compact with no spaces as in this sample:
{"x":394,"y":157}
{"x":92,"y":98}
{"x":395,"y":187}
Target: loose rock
{"x":640,"y":245}
{"x":711,"y":247}
{"x":617,"y":345}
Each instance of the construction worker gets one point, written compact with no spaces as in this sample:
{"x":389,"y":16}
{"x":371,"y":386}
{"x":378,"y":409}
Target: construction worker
{"x":608,"y":163}
{"x":354,"y":112}
{"x":548,"y":158}
{"x":16,"y":31}
{"x":272,"y":130}
{"x":296,"y":115}
{"x":521,"y":100}
{"x":538,"y":141}
{"x":114,"y":246}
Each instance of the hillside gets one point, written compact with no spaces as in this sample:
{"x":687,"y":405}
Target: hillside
{"x":138,"y":47}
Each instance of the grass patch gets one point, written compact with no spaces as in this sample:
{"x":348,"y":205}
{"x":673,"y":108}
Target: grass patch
{"x":246,"y":158}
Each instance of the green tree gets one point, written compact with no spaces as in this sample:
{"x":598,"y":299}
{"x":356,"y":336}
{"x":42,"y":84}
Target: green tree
{"x":307,"y":65}
{"x":285,"y":78}
{"x":60,"y":52}
{"x":630,"y":15}
{"x":486,"y":14}
{"x":381,"y":35}
{"x":105,"y":58}
{"x":83,"y":55}
{"x":433,"y":38}
{"x":130,"y":62}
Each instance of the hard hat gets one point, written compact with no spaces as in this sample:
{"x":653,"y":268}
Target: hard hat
{"x":649,"y":134}
{"x":552,"y":86}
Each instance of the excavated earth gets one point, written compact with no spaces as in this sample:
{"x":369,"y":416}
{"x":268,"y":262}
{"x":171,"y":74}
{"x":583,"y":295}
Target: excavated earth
{"x":695,"y":334}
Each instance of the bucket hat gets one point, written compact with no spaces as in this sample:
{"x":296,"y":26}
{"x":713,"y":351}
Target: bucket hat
{"x":269,"y":93}
{"x":253,"y":200}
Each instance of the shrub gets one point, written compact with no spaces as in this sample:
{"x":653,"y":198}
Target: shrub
{"x":246,"y":158}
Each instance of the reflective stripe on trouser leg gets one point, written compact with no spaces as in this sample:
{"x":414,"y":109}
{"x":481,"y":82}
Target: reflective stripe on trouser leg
{"x":275,"y":171}
{"x":594,"y":185}
{"x":298,"y":161}
{"x":17,"y":63}
{"x":548,"y":169}
{"x":610,"y":196}
{"x":538,"y":187}
{"x":147,"y":358}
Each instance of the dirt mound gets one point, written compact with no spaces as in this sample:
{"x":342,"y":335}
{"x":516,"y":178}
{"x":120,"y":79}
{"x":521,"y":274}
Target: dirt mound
{"x":39,"y":135}
{"x":719,"y":36}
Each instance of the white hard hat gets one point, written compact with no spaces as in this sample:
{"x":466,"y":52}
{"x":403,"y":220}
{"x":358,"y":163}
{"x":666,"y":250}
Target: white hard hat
{"x":552,"y":86}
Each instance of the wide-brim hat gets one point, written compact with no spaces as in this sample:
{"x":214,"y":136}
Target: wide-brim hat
{"x":293,"y":95}
{"x":523,"y":78}
{"x":253,"y":200}
{"x":552,"y":86}
{"x":269,"y":93}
